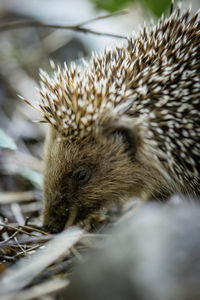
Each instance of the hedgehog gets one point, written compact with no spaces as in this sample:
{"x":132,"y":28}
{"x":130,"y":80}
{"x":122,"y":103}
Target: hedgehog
{"x":126,"y":124}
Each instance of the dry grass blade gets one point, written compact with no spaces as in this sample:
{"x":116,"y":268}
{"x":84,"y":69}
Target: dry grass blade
{"x":24,"y":271}
{"x":11,"y":197}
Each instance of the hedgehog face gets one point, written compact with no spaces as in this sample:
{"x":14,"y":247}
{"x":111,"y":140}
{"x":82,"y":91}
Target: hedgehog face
{"x":82,"y":177}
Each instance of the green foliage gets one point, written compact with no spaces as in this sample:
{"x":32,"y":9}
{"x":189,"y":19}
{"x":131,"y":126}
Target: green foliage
{"x":6,"y":141}
{"x":156,"y":6}
{"x":111,"y":5}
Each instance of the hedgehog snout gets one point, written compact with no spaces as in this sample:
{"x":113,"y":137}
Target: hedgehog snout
{"x":56,"y":213}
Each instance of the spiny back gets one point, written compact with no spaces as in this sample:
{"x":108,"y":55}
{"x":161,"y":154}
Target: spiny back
{"x":157,"y":75}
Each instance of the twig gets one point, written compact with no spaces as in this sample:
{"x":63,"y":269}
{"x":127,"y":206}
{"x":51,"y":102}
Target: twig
{"x":30,"y":228}
{"x":118,"y":13}
{"x":17,"y":229}
{"x":24,"y":242}
{"x":44,"y":238}
{"x":79,"y":27}
{"x":27,"y":250}
{"x":9,"y":239}
{"x":19,"y":245}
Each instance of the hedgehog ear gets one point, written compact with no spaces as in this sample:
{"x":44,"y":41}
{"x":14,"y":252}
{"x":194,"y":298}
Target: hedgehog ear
{"x":126,"y":131}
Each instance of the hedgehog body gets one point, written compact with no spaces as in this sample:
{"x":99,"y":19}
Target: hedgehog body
{"x":127,"y":124}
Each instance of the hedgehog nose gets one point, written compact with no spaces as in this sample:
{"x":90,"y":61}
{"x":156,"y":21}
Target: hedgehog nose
{"x":53,"y":229}
{"x":45,"y":228}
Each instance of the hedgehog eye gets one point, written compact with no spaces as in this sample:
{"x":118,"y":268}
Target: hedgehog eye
{"x":81,"y":175}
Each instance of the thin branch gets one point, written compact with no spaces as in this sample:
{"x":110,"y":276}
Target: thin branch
{"x":27,"y":250}
{"x":24,"y":242}
{"x":30,"y":228}
{"x":19,"y":245}
{"x":118,"y":13}
{"x":10,"y":238}
{"x":16,"y":229}
{"x":79,"y":27}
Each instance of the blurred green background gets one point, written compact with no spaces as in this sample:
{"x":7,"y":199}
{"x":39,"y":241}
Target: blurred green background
{"x":155,"y":6}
